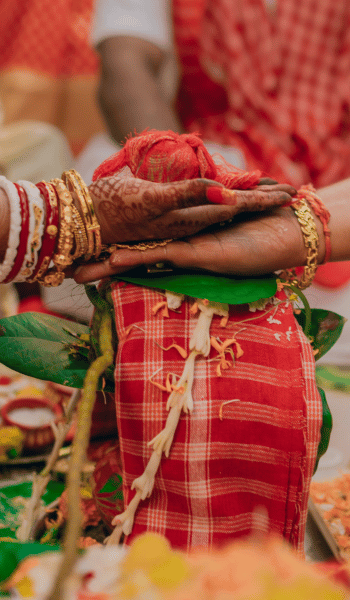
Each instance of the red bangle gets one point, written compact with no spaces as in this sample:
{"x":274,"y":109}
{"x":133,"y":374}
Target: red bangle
{"x":322,"y":213}
{"x":23,"y":240}
{"x":48,"y":192}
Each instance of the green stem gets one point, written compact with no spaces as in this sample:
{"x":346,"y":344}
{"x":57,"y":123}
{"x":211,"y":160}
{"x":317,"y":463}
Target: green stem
{"x":304,"y":300}
{"x":95,"y":297}
{"x":79,"y":448}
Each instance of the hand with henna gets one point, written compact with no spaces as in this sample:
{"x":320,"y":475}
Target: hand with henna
{"x":131,"y":209}
{"x":140,"y":210}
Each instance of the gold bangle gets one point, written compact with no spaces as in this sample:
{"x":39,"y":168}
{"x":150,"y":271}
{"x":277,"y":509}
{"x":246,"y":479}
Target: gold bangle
{"x":76,"y":184}
{"x":80,"y":237}
{"x":311,"y":241}
{"x":63,"y":257}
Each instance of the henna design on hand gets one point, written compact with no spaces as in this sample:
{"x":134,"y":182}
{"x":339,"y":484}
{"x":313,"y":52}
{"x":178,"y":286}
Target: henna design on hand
{"x":132,"y":209}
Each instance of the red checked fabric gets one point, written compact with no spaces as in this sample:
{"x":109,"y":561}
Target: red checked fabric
{"x":277,"y":86}
{"x":219,"y":471}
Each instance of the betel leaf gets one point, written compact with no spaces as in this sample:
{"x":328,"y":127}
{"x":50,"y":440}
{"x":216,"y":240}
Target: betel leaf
{"x":36,"y":344}
{"x":214,"y":288}
{"x":42,"y":326}
{"x":325,"y":328}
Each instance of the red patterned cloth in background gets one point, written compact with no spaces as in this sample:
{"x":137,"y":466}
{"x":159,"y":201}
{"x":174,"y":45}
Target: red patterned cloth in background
{"x":275,"y":85}
{"x":48,"y":69}
{"x":261,"y":453}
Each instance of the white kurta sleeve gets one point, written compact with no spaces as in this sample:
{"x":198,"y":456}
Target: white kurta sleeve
{"x":148,"y":19}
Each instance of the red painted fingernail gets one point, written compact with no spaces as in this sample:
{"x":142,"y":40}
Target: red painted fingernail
{"x":220,"y":195}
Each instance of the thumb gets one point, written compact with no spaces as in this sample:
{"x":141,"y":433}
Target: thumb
{"x":120,"y":261}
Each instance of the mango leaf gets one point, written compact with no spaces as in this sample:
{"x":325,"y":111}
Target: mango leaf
{"x":326,"y":428}
{"x":211,"y":287}
{"x":325,"y":328}
{"x":37,"y":345}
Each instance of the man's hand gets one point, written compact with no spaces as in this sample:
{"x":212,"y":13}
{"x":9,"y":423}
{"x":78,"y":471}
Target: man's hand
{"x":257,"y":246}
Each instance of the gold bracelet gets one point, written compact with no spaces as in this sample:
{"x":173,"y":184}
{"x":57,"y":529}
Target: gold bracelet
{"x":80,"y":237}
{"x":143,"y":246}
{"x":76,"y":184}
{"x":311,"y":240}
{"x":63,"y":257}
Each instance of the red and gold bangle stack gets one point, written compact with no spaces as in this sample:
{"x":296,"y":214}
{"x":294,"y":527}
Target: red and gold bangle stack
{"x":23,"y":240}
{"x":63,"y":256}
{"x":50,"y":233}
{"x":45,"y":227}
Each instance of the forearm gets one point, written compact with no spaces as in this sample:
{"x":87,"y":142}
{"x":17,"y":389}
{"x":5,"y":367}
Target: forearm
{"x":5,"y":223}
{"x":336,"y":198}
{"x":130,"y":95}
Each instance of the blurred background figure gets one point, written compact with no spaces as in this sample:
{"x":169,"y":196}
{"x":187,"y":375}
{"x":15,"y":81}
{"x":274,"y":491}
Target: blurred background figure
{"x":267,"y":84}
{"x":48,"y":82}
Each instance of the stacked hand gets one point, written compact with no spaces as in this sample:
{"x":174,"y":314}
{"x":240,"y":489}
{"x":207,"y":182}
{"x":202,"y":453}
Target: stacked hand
{"x":132,"y":209}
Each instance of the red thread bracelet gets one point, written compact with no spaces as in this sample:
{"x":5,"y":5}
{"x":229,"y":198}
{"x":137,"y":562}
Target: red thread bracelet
{"x":48,"y":192}
{"x":23,"y":240}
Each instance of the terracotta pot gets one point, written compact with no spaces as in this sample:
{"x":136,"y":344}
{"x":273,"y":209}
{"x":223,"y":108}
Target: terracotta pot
{"x":37,"y":437}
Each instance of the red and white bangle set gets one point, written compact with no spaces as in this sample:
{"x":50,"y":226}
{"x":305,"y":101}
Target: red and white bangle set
{"x":47,"y":231}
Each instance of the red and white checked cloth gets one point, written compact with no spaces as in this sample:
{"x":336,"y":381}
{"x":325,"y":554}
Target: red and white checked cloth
{"x":276,"y":86}
{"x":262,"y":452}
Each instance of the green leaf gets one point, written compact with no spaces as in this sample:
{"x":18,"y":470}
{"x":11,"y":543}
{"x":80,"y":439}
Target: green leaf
{"x":41,"y":326}
{"x":10,"y":508}
{"x":36,"y":344}
{"x":12,"y":553}
{"x":211,"y":287}
{"x":325,"y":328}
{"x":326,"y":429}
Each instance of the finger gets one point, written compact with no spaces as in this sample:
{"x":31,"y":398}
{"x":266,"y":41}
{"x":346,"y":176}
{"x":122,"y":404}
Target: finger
{"x":257,"y":201}
{"x":123,"y":260}
{"x":94,"y":271}
{"x":250,"y":200}
{"x":135,"y":199}
{"x":267,"y":181}
{"x":188,"y":221}
{"x":280,"y":187}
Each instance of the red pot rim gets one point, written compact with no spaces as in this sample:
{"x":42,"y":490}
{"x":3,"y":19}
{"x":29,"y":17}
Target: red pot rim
{"x":11,"y":405}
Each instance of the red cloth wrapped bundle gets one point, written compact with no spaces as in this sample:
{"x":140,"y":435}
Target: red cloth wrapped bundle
{"x":226,"y":459}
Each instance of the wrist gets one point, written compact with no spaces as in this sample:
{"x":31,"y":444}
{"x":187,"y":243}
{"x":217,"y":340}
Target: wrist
{"x":321,"y":237}
{"x":5,"y":220}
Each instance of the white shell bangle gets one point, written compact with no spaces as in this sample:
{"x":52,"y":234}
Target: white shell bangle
{"x":15,"y":227}
{"x":36,"y":229}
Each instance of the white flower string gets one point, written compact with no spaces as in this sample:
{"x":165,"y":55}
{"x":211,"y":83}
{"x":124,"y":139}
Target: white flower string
{"x":15,"y":227}
{"x":36,"y":229}
{"x":180,"y":400}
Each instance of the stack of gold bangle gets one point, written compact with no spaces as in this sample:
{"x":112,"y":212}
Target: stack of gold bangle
{"x":79,"y":232}
{"x":74,"y":183}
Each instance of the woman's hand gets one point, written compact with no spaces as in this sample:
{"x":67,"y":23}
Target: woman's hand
{"x":131,"y":209}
